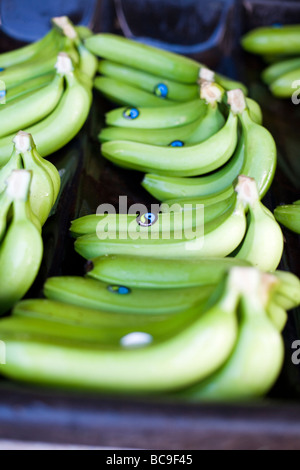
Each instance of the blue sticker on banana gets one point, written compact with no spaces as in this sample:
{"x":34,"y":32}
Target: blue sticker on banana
{"x":161,"y":90}
{"x":120,"y":290}
{"x":177,"y":143}
{"x":131,"y":113}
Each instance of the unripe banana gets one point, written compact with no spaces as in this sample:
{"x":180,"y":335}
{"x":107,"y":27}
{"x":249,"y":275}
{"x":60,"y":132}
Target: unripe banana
{"x":273,"y":40}
{"x":159,"y":87}
{"x":289,"y":216}
{"x":21,"y":248}
{"x":263,"y":244}
{"x":192,"y":161}
{"x":5,"y":206}
{"x":278,"y":315}
{"x":30,"y":108}
{"x":149,"y":273}
{"x":161,"y":118}
{"x":167,"y":188}
{"x":149,"y":59}
{"x":93,"y":294}
{"x":288,"y":291}
{"x":27,"y":53}
{"x":128,"y":95}
{"x":255,"y":362}
{"x":286,"y":85}
{"x":260,"y":149}
{"x":122,"y":359}
{"x":29,"y":86}
{"x":277,"y":70}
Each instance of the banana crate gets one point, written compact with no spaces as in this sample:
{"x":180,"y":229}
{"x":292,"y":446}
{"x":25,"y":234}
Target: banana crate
{"x":139,"y":416}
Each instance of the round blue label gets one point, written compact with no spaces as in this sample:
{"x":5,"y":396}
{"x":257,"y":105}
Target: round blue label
{"x":120,"y":290}
{"x":161,"y":90}
{"x":131,"y":113}
{"x":177,"y":143}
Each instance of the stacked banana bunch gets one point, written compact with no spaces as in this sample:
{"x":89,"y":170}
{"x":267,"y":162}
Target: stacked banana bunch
{"x":279,"y":45}
{"x":47,"y":92}
{"x":48,"y":89}
{"x":220,"y":339}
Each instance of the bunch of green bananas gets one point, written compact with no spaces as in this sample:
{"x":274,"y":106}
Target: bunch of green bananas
{"x":47,"y":88}
{"x":289,"y":216}
{"x":223,"y":231}
{"x":223,"y":336}
{"x":281,"y":47}
{"x":21,"y":246}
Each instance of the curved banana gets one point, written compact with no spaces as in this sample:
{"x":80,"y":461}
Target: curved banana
{"x":161,"y":137}
{"x":255,"y":363}
{"x":159,"y":87}
{"x":27,"y":53}
{"x":21,"y":249}
{"x":149,"y":273}
{"x":128,"y":95}
{"x":28,"y":86}
{"x":287,"y":294}
{"x":277,"y":70}
{"x":260,"y":152}
{"x":289,"y":216}
{"x":31,"y":107}
{"x":164,"y":188}
{"x":160,"y":118}
{"x":90,"y":293}
{"x":278,"y":315}
{"x":64,"y":122}
{"x":264,"y":243}
{"x":123,"y":359}
{"x":286,"y":85}
{"x":187,"y":161}
{"x":149,"y":59}
{"x":273,"y":40}
{"x":218,"y":238}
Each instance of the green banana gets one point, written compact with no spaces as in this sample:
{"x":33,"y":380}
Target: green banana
{"x":149,"y":59}
{"x":255,"y":363}
{"x":255,"y":111}
{"x":273,"y":40}
{"x":164,"y":187}
{"x":276,"y":71}
{"x":162,"y":137}
{"x":286,"y":85}
{"x":260,"y":153}
{"x":159,"y":87}
{"x":174,"y":218}
{"x":59,"y":128}
{"x":157,"y":118}
{"x":21,"y":248}
{"x":128,"y":95}
{"x":94,"y":294}
{"x":31,"y":108}
{"x":278,"y":315}
{"x":221,"y":236}
{"x":287,"y":294}
{"x":187,"y":161}
{"x":29,"y":86}
{"x":102,"y":359}
{"x":289,"y":216}
{"x":264,"y":243}
{"x":149,"y":273}
{"x":27,"y":53}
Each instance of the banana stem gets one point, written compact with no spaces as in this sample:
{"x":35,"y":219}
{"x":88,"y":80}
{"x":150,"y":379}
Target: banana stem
{"x":211,"y":93}
{"x":247,"y":191}
{"x":64,"y":64}
{"x":237,"y":101}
